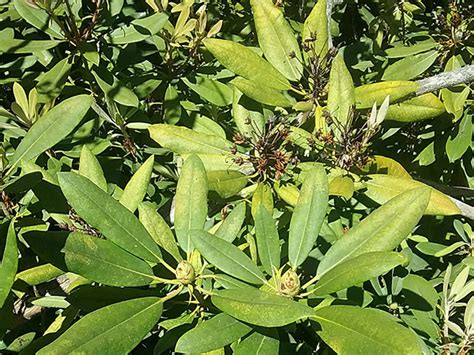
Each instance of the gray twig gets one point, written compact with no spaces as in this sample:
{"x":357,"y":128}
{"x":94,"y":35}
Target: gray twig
{"x":444,"y":80}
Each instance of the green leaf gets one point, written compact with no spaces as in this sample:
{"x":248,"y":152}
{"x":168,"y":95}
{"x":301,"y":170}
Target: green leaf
{"x":158,"y":229}
{"x":138,"y":30}
{"x":410,"y":67}
{"x":226,"y":257}
{"x":183,"y":140}
{"x":109,"y":325}
{"x":38,"y":18}
{"x":104,"y":262}
{"x":259,"y":307}
{"x":461,"y":141}
{"x":264,"y":342}
{"x":211,"y":90}
{"x":268,"y":242}
{"x":212,"y":334}
{"x":315,"y":30}
{"x":230,"y":227}
{"x":114,"y":88}
{"x":226,"y":183}
{"x":308,"y":215}
{"x":9,"y":44}
{"x":261,"y":93}
{"x":416,"y":109}
{"x":385,"y":165}
{"x":9,"y":265}
{"x":106,"y":214}
{"x":367,"y":95}
{"x":191,"y":201}
{"x":277,"y":40}
{"x":382,"y":188}
{"x":90,"y":167}
{"x":245,"y":62}
{"x":383,"y":230}
{"x":353,"y":330}
{"x":51,"y":128}
{"x":357,"y":270}
{"x":341,"y":91}
{"x":262,"y":196}
{"x":401,"y":51}
{"x":135,"y":190}
{"x":51,"y":83}
{"x":247,"y":114}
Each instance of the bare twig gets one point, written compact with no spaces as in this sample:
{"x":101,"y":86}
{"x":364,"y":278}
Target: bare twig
{"x":444,"y":80}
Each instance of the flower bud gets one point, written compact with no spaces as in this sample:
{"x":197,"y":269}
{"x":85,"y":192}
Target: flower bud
{"x":289,"y":283}
{"x":185,"y":272}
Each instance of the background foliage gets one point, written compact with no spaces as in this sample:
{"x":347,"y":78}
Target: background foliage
{"x":246,"y":177}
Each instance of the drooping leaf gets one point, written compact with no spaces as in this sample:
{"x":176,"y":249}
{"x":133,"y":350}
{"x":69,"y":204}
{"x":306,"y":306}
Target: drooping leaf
{"x":410,"y":67}
{"x":226,"y":257}
{"x":341,"y":90}
{"x":133,"y":318}
{"x":226,"y":183}
{"x":268,"y":242}
{"x":382,"y":188}
{"x":261,"y":93}
{"x":212,"y":334}
{"x":308,"y":215}
{"x":158,"y":229}
{"x":51,"y":128}
{"x":38,"y":17}
{"x":416,"y":109}
{"x":9,"y":264}
{"x":383,"y":230}
{"x":276,"y":39}
{"x":106,"y":214}
{"x":90,"y":167}
{"x":354,"y":330}
{"x":367,"y":95}
{"x":135,"y":190}
{"x":191,"y":201}
{"x":182,"y":140}
{"x":245,"y":62}
{"x":357,"y":270}
{"x":103,"y":261}
{"x":259,"y":307}
{"x":230,"y":227}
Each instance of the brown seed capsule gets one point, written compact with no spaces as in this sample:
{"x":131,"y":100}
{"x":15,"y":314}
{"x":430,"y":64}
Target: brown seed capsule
{"x":289,"y":283}
{"x":185,"y":272}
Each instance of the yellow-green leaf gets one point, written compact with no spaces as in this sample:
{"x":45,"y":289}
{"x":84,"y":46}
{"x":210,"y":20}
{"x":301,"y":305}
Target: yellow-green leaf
{"x":341,"y":91}
{"x":135,"y":190}
{"x":261,"y":93}
{"x":90,"y":167}
{"x":315,"y":30}
{"x":416,"y":109}
{"x":367,"y":95}
{"x":9,"y":265}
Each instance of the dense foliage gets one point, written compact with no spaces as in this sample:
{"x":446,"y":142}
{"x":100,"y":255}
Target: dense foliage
{"x":249,"y":177}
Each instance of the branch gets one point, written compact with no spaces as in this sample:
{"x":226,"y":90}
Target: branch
{"x":444,"y":80}
{"x":466,"y":210}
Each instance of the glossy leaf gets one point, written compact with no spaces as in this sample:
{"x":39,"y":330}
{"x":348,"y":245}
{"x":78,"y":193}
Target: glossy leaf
{"x":385,"y":165}
{"x":115,"y":89}
{"x":212,"y":334}
{"x":308,"y":215}
{"x":158,"y":229}
{"x":417,"y":109}
{"x":357,"y":270}
{"x":277,"y":40}
{"x":9,"y":264}
{"x":9,"y":44}
{"x":245,"y":62}
{"x":262,"y":342}
{"x":401,"y":50}
{"x":268,"y":242}
{"x":133,"y":318}
{"x":458,"y":144}
{"x":51,"y":128}
{"x":260,"y":308}
{"x":136,"y":188}
{"x":106,"y":214}
{"x":211,"y":90}
{"x":341,"y":91}
{"x":182,"y":140}
{"x":90,"y":167}
{"x":382,"y":230}
{"x":102,"y":261}
{"x":191,"y":201}
{"x":367,"y":95}
{"x":348,"y":329}
{"x":139,"y":29}
{"x":382,"y":188}
{"x":52,"y":82}
{"x":226,"y":257}
{"x":232,"y":224}
{"x":39,"y":18}
{"x":261,"y":93}
{"x":410,"y":67}
{"x":226,"y":183}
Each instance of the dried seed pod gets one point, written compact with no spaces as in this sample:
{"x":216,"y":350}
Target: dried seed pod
{"x":185,"y":272}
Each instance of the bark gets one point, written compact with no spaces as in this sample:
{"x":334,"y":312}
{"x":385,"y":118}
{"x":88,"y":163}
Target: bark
{"x":462,"y":75}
